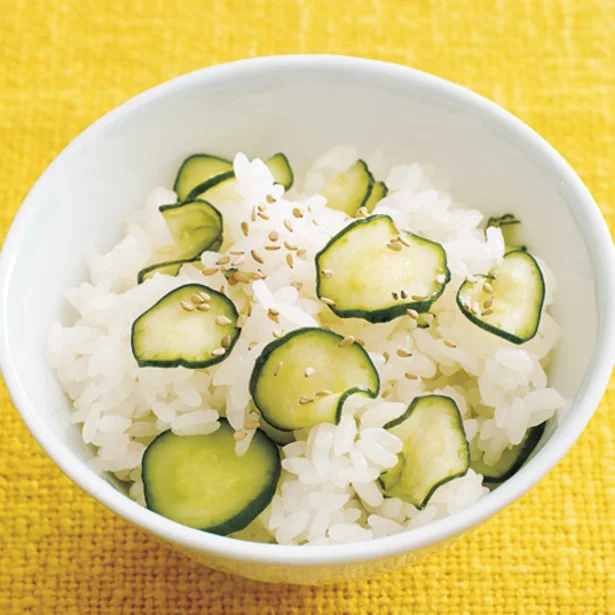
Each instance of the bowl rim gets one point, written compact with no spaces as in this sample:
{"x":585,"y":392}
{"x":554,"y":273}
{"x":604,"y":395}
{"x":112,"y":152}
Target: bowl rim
{"x":586,"y":214}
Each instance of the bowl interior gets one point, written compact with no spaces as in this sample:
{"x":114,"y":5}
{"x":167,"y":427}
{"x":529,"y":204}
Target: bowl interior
{"x":301,"y":109}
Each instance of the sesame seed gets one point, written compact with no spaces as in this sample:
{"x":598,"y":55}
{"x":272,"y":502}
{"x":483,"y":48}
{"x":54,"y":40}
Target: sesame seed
{"x":315,"y":222}
{"x":290,"y":261}
{"x":187,"y":306}
{"x":238,"y":261}
{"x":257,"y":257}
{"x":253,"y":214}
{"x":274,"y":311}
{"x":323,"y":393}
{"x":289,"y":246}
{"x":258,"y":275}
{"x":272,"y":248}
{"x":412,"y":313}
{"x":420,"y":297}
{"x":239,"y":436}
{"x":245,"y":229}
{"x":403,"y":294}
{"x":251,"y":424}
{"x":386,"y":356}
{"x":403,"y":241}
{"x":263,"y":215}
{"x":232,"y":281}
{"x":297,"y":285}
{"x":410,"y":376}
{"x":241,"y":276}
{"x":360,"y":341}
{"x":203,"y":295}
{"x":309,"y":371}
{"x":196,"y":299}
{"x":395,"y":296}
{"x":210,"y":270}
{"x":493,"y":275}
{"x":440,"y":278}
{"x":449,"y":343}
{"x":361,"y":213}
{"x":223,"y":321}
{"x":394,"y":246}
{"x":249,"y":307}
{"x":349,"y":339}
{"x":241,"y":321}
{"x":274,"y":236}
{"x":305,"y":400}
{"x":269,"y":199}
{"x":475,"y":307}
{"x":251,"y":345}
{"x":277,"y":368}
{"x":289,"y":225}
{"x":297,"y":212}
{"x":203,"y":307}
{"x":404,"y":353}
{"x":262,"y":207}
{"x":301,"y":252}
{"x":487,"y":312}
{"x":223,"y":290}
{"x":223,"y":260}
{"x":236,"y":252}
{"x":326,"y":273}
{"x":218,"y":352}
{"x":327,"y":301}
{"x":471,"y":279}
{"x":386,"y":392}
{"x":487,"y":287}
{"x":278,"y":333}
{"x":273,"y":316}
{"x":225,"y":342}
{"x":488,"y":303}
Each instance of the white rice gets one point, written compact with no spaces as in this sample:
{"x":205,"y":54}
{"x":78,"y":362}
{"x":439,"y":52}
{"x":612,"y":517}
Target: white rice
{"x":328,"y":492}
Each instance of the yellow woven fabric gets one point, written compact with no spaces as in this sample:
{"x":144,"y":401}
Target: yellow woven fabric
{"x":64,"y":63}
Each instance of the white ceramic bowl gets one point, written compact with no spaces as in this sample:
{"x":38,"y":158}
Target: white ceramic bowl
{"x":302,"y":106}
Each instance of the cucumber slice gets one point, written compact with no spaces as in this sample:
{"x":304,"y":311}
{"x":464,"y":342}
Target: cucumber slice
{"x":199,"y":481}
{"x":435,"y":450}
{"x":379,"y":191}
{"x":181,"y":330}
{"x":512,"y":458}
{"x":281,"y":170}
{"x":303,"y":378}
{"x":198,"y":170}
{"x":510,"y":226}
{"x":350,"y":190}
{"x":195,"y":226}
{"x":279,"y":436}
{"x":514,"y":308}
{"x":369,"y":273}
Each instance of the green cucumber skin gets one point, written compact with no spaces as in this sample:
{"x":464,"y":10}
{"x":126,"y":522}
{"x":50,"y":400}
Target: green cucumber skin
{"x":183,"y":362}
{"x":528,"y":446}
{"x":141,"y":275}
{"x":403,"y":417}
{"x":515,"y":339}
{"x":262,"y":359}
{"x":250,"y":512}
{"x":387,"y":314}
{"x":210,"y":183}
{"x":186,"y":161}
{"x":370,"y":185}
{"x":291,"y":180}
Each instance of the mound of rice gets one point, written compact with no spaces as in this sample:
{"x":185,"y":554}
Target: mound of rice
{"x":327,"y":493}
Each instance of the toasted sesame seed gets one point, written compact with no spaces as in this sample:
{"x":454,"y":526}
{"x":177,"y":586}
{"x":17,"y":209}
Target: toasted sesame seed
{"x":223,"y":321}
{"x":420,"y":297}
{"x":361,"y":213}
{"x":395,"y":295}
{"x":404,"y":353}
{"x":237,"y":252}
{"x":487,"y":287}
{"x":225,"y":342}
{"x":269,"y":199}
{"x":412,"y":313}
{"x":403,"y":294}
{"x":239,"y":436}
{"x":245,"y":229}
{"x":475,"y":307}
{"x":309,"y":371}
{"x":251,"y":345}
{"x":257,"y":257}
{"x":471,"y":279}
{"x":305,"y":400}
{"x":196,"y":299}
{"x":223,"y":260}
{"x":440,"y":278}
{"x":360,"y":341}
{"x":323,"y":393}
{"x":253,"y":214}
{"x":272,"y":248}
{"x":258,"y":275}
{"x":487,"y":304}
{"x":187,"y":306}
{"x":223,"y":289}
{"x":241,"y":321}
{"x":349,"y":339}
{"x":274,"y":236}
{"x":210,"y":270}
{"x":301,"y":252}
{"x":249,"y":308}
{"x":262,"y":207}
{"x":327,"y":301}
{"x":251,"y":424}
{"x":403,"y":241}
{"x":289,"y":246}
{"x":449,"y":343}
{"x":231,"y":280}
{"x":273,"y":311}
{"x":315,"y":222}
{"x":218,"y":352}
{"x":289,"y":225}
{"x":326,"y":273}
{"x":290,"y":261}
{"x":263,"y":215}
{"x":487,"y":312}
{"x":273,"y":316}
{"x":203,"y":307}
{"x":205,"y":296}
{"x":410,"y":376}
{"x":297,"y":285}
{"x":297,"y":212}
{"x":241,"y":276}
{"x":386,"y":356}
{"x":395,"y":246}
{"x":278,"y":333}
{"x":238,"y":261}
{"x":277,"y":368}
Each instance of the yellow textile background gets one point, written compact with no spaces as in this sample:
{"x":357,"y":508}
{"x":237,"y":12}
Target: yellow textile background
{"x":64,"y":63}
